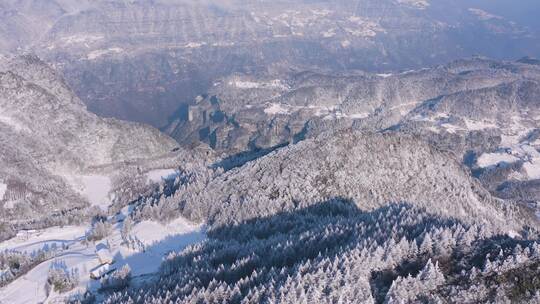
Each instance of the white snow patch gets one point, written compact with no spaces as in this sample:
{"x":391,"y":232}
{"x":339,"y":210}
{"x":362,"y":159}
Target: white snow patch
{"x":321,"y":13}
{"x":99,"y":53}
{"x":385,"y":75}
{"x":329,"y":33}
{"x":95,"y":188}
{"x":31,"y":240}
{"x":223,"y":43}
{"x":362,"y":32}
{"x":194,"y":45}
{"x":3,"y":189}
{"x":532,"y":168}
{"x":478,"y":125}
{"x":491,"y":159}
{"x":358,"y":115}
{"x":159,"y":240}
{"x":434,"y":129}
{"x":10,"y":121}
{"x":276,"y":108}
{"x":483,"y":15}
{"x":276,"y":83}
{"x":76,"y":39}
{"x":157,"y":176}
{"x":419,"y":4}
{"x":30,"y":288}
{"x":450,"y":128}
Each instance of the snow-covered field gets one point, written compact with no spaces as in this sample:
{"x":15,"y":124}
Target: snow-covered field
{"x":157,"y":239}
{"x":159,"y":175}
{"x":95,"y":188}
{"x":492,"y":159}
{"x":520,"y":152}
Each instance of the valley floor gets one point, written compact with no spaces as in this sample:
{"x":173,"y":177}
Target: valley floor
{"x":74,"y":253}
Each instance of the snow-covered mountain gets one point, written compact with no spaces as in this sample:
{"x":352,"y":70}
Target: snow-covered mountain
{"x":327,"y":151}
{"x":351,"y":217}
{"x":383,"y":201}
{"x":142,"y":60}
{"x":371,"y":170}
{"x":484,"y":111}
{"x":460,"y":97}
{"x":56,"y":156}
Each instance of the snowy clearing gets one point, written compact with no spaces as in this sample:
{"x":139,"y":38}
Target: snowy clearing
{"x":99,"y":53}
{"x":159,"y":175}
{"x":473,"y":125}
{"x":31,"y":240}
{"x":492,"y":159}
{"x":10,"y":121}
{"x":533,"y":168}
{"x":30,"y":288}
{"x":95,"y":188}
{"x":276,"y":108}
{"x":157,"y":241}
{"x":3,"y":189}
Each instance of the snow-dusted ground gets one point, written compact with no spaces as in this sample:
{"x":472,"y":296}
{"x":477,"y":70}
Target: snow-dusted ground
{"x":524,"y":152}
{"x":31,"y":240}
{"x":3,"y":188}
{"x":159,"y":175}
{"x":95,"y":188}
{"x":533,"y":168}
{"x":30,"y":288}
{"x":99,"y":53}
{"x":158,"y":240}
{"x":492,"y":159}
{"x":276,"y":108}
{"x":12,"y":122}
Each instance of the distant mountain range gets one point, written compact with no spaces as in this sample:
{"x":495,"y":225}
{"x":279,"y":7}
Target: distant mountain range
{"x":144,"y":60}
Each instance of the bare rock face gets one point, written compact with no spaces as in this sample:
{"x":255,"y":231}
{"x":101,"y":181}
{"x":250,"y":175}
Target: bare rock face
{"x":49,"y":138}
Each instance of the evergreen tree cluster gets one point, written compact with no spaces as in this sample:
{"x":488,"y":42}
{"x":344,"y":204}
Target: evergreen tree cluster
{"x":60,"y":279}
{"x":14,"y":264}
{"x":332,"y":252}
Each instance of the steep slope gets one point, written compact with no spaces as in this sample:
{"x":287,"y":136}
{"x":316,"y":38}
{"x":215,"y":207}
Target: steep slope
{"x":371,"y":170}
{"x":484,"y":111}
{"x":334,"y":253}
{"x":55,"y":153}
